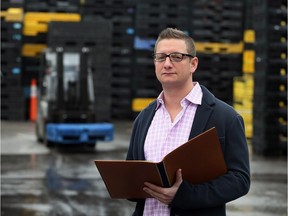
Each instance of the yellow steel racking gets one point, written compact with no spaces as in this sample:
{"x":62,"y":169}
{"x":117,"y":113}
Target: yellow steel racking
{"x":224,"y":48}
{"x":32,"y":50}
{"x":139,"y":104}
{"x":243,"y":88}
{"x":37,"y":22}
{"x":12,"y":15}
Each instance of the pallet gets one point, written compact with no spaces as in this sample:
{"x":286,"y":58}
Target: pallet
{"x":79,"y":133}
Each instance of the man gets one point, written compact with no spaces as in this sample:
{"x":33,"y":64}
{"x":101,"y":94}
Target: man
{"x":183,"y":110}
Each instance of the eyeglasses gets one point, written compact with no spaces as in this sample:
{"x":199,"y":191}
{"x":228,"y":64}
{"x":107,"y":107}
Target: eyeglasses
{"x":174,"y":57}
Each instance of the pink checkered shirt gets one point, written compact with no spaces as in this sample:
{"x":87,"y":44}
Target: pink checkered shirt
{"x":164,"y":136}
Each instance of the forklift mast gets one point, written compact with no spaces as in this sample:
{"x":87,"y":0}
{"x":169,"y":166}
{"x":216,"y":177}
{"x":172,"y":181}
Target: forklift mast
{"x":69,"y":86}
{"x":60,"y":80}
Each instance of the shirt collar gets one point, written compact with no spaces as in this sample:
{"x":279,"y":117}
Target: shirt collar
{"x":194,"y":96}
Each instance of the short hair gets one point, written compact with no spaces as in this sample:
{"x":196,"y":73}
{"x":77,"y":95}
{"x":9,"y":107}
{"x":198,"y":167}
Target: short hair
{"x":173,"y":33}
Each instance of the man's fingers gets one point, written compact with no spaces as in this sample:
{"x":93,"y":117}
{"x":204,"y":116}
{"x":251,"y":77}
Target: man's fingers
{"x":164,"y":198}
{"x":179,"y":178}
{"x":164,"y":195}
{"x":152,"y":186}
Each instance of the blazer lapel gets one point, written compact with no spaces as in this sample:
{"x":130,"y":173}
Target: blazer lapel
{"x":203,"y":113}
{"x":146,"y":121}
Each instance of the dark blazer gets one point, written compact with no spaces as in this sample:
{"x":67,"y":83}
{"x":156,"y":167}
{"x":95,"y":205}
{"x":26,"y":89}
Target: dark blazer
{"x":207,"y":199}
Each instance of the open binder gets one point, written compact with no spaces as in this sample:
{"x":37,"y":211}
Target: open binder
{"x":201,"y":159}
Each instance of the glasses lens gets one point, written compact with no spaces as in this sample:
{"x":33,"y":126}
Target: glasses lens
{"x":160,"y":57}
{"x":176,"y":57}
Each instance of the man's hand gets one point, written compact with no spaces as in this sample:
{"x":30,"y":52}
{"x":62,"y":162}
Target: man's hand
{"x":164,"y":195}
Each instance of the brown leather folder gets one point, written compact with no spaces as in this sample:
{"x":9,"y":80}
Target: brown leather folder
{"x":201,"y":159}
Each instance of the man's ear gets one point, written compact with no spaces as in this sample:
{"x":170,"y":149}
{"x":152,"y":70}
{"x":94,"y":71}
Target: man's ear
{"x":194,"y":64}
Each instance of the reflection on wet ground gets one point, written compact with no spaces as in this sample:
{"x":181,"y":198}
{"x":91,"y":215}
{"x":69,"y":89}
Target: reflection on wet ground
{"x":65,"y":181}
{"x":57,"y":184}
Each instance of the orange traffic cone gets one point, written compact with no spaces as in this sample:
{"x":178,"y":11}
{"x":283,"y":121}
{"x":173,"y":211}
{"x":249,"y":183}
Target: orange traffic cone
{"x":33,"y":100}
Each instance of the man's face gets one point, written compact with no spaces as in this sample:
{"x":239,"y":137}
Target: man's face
{"x":174,"y":74}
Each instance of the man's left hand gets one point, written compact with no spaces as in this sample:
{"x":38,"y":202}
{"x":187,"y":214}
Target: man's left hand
{"x":164,"y":195}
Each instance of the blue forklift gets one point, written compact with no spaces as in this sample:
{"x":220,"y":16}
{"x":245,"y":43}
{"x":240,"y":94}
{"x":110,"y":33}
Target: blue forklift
{"x":66,"y":111}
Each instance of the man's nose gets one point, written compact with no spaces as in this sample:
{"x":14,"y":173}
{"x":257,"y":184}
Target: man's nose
{"x":167,"y":61}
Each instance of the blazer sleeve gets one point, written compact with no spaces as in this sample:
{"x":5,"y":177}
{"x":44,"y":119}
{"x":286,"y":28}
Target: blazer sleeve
{"x":234,"y":184}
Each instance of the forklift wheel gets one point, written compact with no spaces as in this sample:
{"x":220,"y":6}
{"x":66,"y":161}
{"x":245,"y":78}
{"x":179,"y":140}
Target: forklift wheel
{"x":91,"y":146}
{"x":39,"y":139}
{"x":49,"y":143}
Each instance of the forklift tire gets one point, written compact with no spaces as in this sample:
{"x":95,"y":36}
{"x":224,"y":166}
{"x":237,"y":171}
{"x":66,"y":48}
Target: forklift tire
{"x":49,"y":143}
{"x":39,"y":139}
{"x":91,"y":146}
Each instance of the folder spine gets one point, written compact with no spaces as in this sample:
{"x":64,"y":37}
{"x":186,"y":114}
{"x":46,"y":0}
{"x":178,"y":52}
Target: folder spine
{"x":163,"y":174}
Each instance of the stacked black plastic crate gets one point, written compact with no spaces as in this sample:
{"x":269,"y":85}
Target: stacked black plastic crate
{"x":96,"y":35}
{"x":151,"y":18}
{"x":270,"y":78}
{"x":212,"y":24}
{"x":216,"y":26}
{"x":37,"y":15}
{"x":6,"y":4}
{"x":66,"y":6}
{"x":121,"y":14}
{"x":12,"y":93}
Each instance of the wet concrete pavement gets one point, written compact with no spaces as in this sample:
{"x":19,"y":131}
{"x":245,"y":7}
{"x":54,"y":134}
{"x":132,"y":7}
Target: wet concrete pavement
{"x":38,"y":181}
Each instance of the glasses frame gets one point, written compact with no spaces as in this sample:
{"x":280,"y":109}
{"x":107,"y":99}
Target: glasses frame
{"x":169,"y":55}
